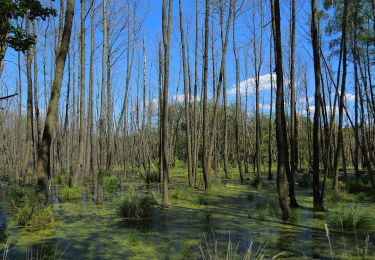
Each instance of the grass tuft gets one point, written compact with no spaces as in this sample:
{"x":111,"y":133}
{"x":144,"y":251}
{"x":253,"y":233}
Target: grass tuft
{"x":70,"y":193}
{"x":350,"y":218}
{"x":135,"y":205}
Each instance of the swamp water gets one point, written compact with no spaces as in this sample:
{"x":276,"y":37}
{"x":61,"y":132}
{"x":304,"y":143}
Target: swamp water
{"x":230,"y":211}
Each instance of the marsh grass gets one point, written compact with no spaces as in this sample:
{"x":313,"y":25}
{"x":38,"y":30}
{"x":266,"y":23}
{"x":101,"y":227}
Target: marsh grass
{"x":350,"y":218}
{"x":67,"y":193}
{"x":212,"y":250}
{"x":18,"y":195}
{"x":111,"y":183}
{"x":32,"y":216}
{"x":135,"y":205}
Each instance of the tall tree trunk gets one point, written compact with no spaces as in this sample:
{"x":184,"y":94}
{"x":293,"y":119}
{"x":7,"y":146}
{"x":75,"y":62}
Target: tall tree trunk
{"x":166,"y":28}
{"x":317,"y":199}
{"x":281,"y":134}
{"x":270,"y":176}
{"x":225,"y":105}
{"x":206,"y":174}
{"x":186,"y":97}
{"x":340,"y":134}
{"x":102,"y":146}
{"x":82,"y":80}
{"x":36,"y":94}
{"x":238,"y":103}
{"x":29,"y":151}
{"x":89,"y":167}
{"x":293,"y":113}
{"x":43,"y":163}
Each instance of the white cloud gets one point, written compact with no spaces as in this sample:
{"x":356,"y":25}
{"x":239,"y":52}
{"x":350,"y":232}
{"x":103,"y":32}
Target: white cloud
{"x":249,"y":84}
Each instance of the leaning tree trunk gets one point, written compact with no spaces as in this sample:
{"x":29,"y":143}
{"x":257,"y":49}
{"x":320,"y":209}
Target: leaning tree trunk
{"x":43,"y":163}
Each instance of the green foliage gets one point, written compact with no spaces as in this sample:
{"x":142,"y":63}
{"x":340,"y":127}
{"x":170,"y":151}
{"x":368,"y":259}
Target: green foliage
{"x":135,"y":205}
{"x":111,"y":183}
{"x":70,"y":193}
{"x":11,"y":32}
{"x":350,"y":218}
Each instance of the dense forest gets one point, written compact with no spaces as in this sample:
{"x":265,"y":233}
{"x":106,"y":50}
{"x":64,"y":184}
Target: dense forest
{"x":196,"y":129}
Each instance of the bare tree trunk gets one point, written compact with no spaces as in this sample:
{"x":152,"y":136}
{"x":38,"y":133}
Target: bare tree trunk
{"x":238,"y":104}
{"x":206,"y":174}
{"x":36,"y":102}
{"x":293,"y":113}
{"x":166,"y":28}
{"x":29,"y":151}
{"x":79,"y":167}
{"x":317,"y":199}
{"x":89,"y":167}
{"x":340,"y":135}
{"x":281,"y":134}
{"x":43,"y":163}
{"x":186,"y":97}
{"x":270,"y":176}
{"x":102,"y":146}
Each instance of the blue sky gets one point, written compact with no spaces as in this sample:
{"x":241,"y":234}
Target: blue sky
{"x":151,"y":32}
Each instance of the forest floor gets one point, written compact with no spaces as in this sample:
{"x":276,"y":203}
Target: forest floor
{"x":230,"y":211}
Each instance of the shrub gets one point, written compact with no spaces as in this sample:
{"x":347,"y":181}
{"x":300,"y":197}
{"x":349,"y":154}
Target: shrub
{"x":70,"y":193}
{"x":111,"y":183}
{"x":350,"y":218}
{"x":135,"y":205}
